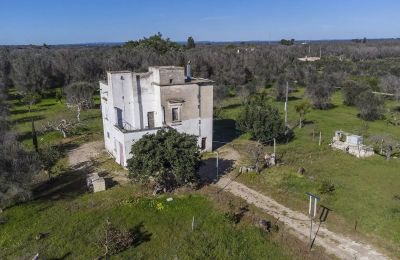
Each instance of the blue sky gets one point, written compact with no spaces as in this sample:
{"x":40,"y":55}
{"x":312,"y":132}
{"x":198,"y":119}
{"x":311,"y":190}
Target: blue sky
{"x":73,"y":21}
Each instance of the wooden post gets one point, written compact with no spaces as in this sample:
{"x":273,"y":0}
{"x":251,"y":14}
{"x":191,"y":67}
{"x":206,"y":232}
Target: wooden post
{"x":355,"y":226}
{"x":320,"y":138}
{"x":286,"y":103}
{"x":193,"y":223}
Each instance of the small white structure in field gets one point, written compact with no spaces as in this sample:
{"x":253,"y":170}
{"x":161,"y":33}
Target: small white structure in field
{"x":311,"y":59}
{"x":95,"y":183}
{"x":352,"y":144}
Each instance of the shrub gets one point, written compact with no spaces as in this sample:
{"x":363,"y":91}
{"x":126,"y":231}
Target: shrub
{"x":326,"y":187}
{"x":114,"y":240}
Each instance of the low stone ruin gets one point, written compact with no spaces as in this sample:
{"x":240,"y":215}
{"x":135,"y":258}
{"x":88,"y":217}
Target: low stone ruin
{"x":246,"y":169}
{"x":95,"y":183}
{"x":352,"y":144}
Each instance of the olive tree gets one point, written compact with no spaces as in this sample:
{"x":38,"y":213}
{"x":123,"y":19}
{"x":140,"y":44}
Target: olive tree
{"x":79,"y":96}
{"x":262,"y":121}
{"x":320,"y":91}
{"x":302,"y":109}
{"x":370,"y":106}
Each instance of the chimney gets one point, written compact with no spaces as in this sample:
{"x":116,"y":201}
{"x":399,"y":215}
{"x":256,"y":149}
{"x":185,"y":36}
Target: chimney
{"x":188,"y":72}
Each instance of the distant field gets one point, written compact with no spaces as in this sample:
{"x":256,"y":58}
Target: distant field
{"x":74,"y":223}
{"x":365,"y":189}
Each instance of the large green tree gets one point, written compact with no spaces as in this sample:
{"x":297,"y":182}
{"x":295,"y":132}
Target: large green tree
{"x":155,"y":43}
{"x":262,"y":120}
{"x":170,"y":158}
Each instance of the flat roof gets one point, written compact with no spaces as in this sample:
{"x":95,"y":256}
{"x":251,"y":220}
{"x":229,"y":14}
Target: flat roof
{"x":167,"y":67}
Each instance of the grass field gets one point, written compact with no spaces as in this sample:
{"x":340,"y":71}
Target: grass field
{"x":365,"y":193}
{"x":365,"y":189}
{"x":49,"y":109}
{"x":74,"y":223}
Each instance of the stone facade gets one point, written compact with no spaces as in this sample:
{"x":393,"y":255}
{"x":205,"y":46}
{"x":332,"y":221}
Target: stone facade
{"x":134,"y":104}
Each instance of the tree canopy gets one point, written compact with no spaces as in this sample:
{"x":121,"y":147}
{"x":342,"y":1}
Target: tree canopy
{"x":170,"y":158}
{"x":370,"y":106}
{"x":261,"y":120}
{"x":155,"y":43}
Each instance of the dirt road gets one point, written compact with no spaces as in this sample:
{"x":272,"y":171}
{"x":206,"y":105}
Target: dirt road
{"x":299,"y":224}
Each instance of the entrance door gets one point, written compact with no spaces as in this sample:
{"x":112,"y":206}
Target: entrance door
{"x":121,"y":154}
{"x":150,"y":119}
{"x":203,"y":143}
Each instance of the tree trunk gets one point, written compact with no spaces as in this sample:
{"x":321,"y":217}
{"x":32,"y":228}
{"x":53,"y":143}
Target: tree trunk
{"x":64,"y":134}
{"x":78,"y":115}
{"x":34,"y":137}
{"x":301,"y":122}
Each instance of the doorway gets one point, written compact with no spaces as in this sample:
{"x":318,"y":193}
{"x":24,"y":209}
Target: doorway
{"x":150,"y":119}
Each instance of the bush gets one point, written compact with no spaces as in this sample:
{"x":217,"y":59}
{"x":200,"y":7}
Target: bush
{"x":49,"y":157}
{"x":114,"y":240}
{"x":170,"y":158}
{"x":326,"y":187}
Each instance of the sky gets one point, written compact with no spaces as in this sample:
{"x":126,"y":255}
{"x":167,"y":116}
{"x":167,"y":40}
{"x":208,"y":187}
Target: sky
{"x":88,"y":21}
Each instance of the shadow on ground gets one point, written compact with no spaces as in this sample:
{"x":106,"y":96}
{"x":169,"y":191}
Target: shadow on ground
{"x":140,"y":234}
{"x":68,"y":185}
{"x":224,"y":132}
{"x":208,"y":171}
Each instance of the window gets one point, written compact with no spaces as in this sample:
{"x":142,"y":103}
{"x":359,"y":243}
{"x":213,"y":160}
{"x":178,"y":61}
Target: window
{"x":119,"y":117}
{"x":203,"y":143}
{"x":108,"y":135}
{"x":175,"y":114}
{"x":163,"y":111}
{"x":170,"y":81}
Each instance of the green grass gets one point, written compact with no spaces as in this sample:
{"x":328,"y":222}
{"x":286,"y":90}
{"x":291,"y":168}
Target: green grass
{"x":49,"y":109}
{"x":365,"y":188}
{"x":74,"y":224}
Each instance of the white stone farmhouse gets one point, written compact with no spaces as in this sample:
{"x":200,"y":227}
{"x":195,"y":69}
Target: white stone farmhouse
{"x":134,"y":104}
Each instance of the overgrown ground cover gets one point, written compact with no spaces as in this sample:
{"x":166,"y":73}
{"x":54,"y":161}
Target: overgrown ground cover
{"x":366,"y":190}
{"x":74,"y":223}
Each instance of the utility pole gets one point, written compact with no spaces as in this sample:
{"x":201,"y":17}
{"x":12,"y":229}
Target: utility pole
{"x":217,"y":165}
{"x":286,"y":103}
{"x":312,"y":212}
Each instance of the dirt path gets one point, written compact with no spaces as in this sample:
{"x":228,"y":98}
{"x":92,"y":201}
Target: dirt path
{"x":85,"y":152}
{"x":299,"y":224}
{"x":81,"y":156}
